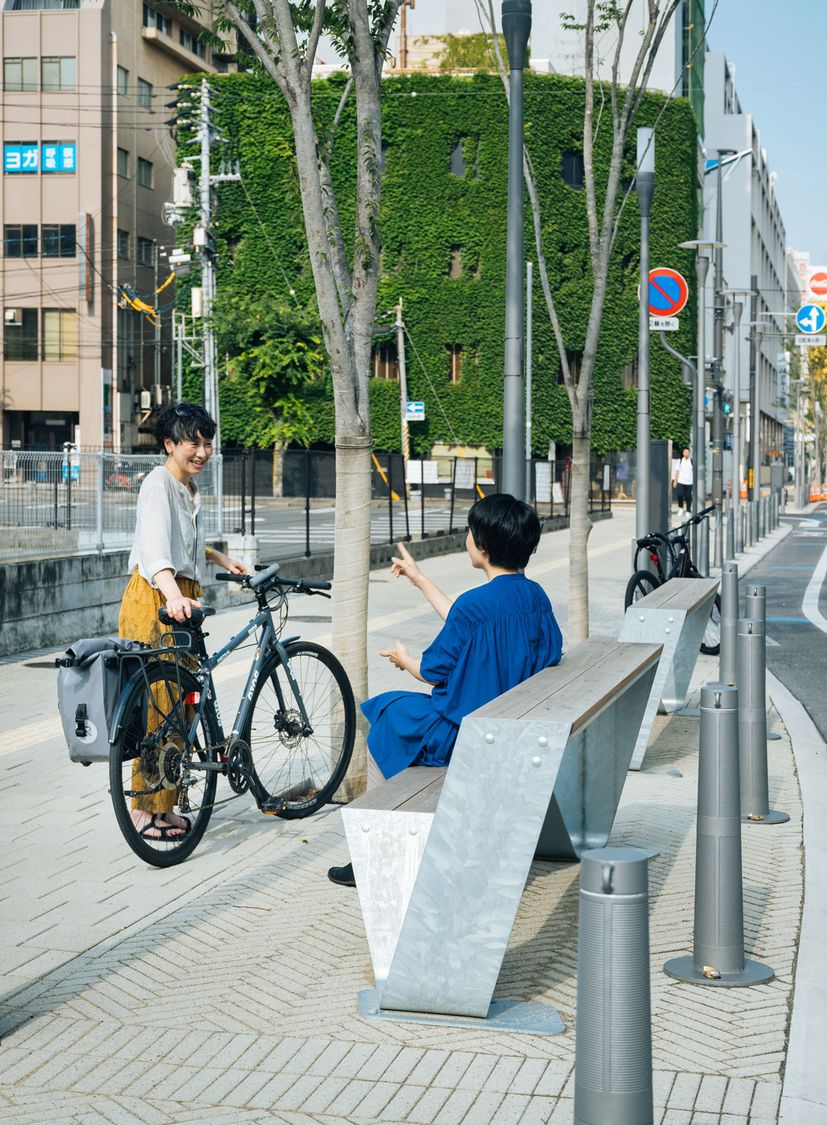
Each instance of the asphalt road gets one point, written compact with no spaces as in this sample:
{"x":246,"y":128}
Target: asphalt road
{"x":796,"y":647}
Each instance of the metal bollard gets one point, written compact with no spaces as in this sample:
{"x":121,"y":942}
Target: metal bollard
{"x":613,"y":1048}
{"x":727,"y":666}
{"x":703,"y":548}
{"x":718,"y":547}
{"x":718,"y":947}
{"x":755,"y":605}
{"x":729,"y":548}
{"x":752,"y":722}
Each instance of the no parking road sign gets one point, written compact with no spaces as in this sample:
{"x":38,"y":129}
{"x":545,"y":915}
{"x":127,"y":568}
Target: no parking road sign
{"x":668,"y":292}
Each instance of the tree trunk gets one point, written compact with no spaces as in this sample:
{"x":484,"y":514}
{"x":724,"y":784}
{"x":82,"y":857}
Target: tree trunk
{"x":580,"y":529}
{"x":351,"y":567}
{"x":279,"y":450}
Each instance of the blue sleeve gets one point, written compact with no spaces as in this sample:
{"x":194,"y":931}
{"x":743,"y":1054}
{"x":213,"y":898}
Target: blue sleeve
{"x":441,"y":656}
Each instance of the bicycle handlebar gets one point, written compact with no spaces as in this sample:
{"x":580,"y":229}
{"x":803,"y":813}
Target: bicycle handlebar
{"x":267,"y":577}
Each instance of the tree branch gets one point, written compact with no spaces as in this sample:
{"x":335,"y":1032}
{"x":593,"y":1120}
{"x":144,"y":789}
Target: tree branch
{"x":315,"y":34}
{"x":588,"y":139}
{"x":266,"y":53}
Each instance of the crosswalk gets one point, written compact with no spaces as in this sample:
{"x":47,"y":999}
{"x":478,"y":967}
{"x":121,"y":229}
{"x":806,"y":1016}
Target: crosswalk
{"x":322,"y":531}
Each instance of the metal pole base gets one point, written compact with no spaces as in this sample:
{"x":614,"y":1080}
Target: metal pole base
{"x":772,"y":817}
{"x":753,"y":972}
{"x":503,"y":1015}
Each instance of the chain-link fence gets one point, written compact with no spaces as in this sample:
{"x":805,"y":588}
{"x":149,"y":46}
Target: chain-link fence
{"x":65,"y":503}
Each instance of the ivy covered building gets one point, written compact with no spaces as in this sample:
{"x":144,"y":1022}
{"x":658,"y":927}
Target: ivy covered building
{"x":444,"y":233}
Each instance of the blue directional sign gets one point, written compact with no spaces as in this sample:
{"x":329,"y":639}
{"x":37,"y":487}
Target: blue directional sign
{"x":811,"y":319}
{"x":414,"y":411}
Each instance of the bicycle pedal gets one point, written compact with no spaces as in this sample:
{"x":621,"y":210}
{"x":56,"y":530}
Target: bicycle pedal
{"x":271,"y":808}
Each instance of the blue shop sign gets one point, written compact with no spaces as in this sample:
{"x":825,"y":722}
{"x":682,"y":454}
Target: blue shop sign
{"x":21,"y":158}
{"x":59,"y":158}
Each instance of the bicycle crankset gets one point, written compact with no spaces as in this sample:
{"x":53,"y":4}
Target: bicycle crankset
{"x":239,"y":765}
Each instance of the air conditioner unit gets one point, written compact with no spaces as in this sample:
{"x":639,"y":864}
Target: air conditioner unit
{"x":13,"y":316}
{"x":145,"y":400}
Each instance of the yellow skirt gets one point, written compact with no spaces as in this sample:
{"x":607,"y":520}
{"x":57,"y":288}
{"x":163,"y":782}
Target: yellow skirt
{"x":138,"y":621}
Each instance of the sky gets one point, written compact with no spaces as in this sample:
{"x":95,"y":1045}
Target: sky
{"x":778,"y":51}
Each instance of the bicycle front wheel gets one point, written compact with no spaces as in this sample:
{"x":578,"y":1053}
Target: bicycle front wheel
{"x":641,"y":583}
{"x":299,"y":767}
{"x":150,"y":757}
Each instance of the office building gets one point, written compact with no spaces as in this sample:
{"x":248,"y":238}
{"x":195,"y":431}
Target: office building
{"x":87,"y":167}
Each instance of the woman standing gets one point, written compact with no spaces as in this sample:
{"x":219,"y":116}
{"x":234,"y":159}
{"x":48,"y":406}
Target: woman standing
{"x":166,"y":564}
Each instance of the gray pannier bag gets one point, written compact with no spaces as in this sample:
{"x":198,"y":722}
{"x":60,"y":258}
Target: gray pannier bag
{"x":90,"y":678}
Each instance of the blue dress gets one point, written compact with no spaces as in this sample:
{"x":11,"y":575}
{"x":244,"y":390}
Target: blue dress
{"x":494,"y":637}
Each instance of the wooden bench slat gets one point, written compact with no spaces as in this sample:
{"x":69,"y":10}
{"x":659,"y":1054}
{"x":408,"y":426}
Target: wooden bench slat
{"x":677,"y":593}
{"x":425,"y":800}
{"x":395,"y":792}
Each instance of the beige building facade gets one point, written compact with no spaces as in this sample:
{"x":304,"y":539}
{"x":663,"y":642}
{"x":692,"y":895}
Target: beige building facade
{"x":88,"y":160}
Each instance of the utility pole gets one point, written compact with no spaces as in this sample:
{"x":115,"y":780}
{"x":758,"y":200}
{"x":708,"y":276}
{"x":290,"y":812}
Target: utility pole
{"x":645,"y":187}
{"x":516,"y":25}
{"x":403,"y":391}
{"x":529,"y":285}
{"x":207,"y":259}
{"x":157,"y":376}
{"x":754,"y":474}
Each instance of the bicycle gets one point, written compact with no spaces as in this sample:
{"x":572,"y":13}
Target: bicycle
{"x":674,"y":545}
{"x":291,"y":740}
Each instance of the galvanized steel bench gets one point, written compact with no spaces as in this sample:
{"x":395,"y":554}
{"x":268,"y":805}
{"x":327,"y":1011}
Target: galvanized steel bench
{"x":674,"y":615}
{"x":441,"y":856}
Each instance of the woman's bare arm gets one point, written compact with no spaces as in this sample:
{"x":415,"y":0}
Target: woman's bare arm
{"x":405,"y":565}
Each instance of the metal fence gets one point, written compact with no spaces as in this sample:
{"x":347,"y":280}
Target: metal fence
{"x":65,"y":503}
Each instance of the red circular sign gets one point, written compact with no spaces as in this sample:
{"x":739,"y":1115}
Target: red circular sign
{"x":668,"y":292}
{"x":818,"y":283}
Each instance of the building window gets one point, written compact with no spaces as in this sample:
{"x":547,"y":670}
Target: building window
{"x":123,"y":163}
{"x":20,"y":74}
{"x":191,"y":42}
{"x":37,"y":5}
{"x":58,"y":73}
{"x":630,"y":372}
{"x":144,"y":172}
{"x":20,"y":333}
{"x":385,"y":361}
{"x":571,"y":167}
{"x":20,"y":240}
{"x":144,"y":93}
{"x":454,"y":352}
{"x":457,"y":160}
{"x":153,"y":18}
{"x":146,"y":251}
{"x":122,"y":81}
{"x":58,"y":240}
{"x":60,"y":335}
{"x":455,"y":264}
{"x":123,"y":244}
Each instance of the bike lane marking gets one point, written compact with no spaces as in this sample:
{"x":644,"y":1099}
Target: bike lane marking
{"x":809,"y":606}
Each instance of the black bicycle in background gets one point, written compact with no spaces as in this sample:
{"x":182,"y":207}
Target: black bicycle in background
{"x":670,"y":556}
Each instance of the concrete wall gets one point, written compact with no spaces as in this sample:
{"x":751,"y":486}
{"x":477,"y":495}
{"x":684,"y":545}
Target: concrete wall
{"x":49,"y":603}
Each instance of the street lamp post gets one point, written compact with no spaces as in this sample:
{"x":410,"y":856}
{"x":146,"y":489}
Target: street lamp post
{"x":737,"y":309}
{"x":516,"y":25}
{"x":645,"y":187}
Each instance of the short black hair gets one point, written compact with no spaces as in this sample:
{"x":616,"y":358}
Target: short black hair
{"x":507,"y":529}
{"x":183,"y":421}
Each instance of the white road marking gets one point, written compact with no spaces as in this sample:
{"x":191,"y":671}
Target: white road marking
{"x":811,"y":595}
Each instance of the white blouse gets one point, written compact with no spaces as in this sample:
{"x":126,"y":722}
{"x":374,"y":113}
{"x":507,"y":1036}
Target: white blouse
{"x":169,"y":532}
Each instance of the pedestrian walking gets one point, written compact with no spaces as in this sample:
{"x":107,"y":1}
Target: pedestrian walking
{"x":166,"y":565}
{"x":494,"y":637}
{"x":684,"y":478}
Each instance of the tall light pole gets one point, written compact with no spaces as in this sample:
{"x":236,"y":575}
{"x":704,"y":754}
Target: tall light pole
{"x":516,"y":24}
{"x":737,"y":309}
{"x":645,"y":187}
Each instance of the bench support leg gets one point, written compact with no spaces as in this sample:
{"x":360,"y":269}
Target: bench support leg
{"x":503,"y":1015}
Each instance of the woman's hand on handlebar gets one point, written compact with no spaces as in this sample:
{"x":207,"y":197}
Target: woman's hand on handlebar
{"x":181,"y":607}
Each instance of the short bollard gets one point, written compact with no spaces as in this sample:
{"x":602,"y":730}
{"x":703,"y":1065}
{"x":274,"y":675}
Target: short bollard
{"x":718,"y":948}
{"x":752,"y":722}
{"x":755,"y":605}
{"x":613,"y":1048}
{"x":729,"y":546}
{"x":727,"y":667}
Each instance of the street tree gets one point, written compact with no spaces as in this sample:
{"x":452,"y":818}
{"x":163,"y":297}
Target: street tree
{"x":284,"y":38}
{"x":606,"y":39}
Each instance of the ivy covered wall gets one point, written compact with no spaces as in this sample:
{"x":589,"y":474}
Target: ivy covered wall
{"x":443,"y":233}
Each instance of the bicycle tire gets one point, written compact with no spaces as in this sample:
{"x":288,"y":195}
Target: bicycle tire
{"x":711,"y":644}
{"x":300,"y":773}
{"x":155,"y":716}
{"x":641,"y":583}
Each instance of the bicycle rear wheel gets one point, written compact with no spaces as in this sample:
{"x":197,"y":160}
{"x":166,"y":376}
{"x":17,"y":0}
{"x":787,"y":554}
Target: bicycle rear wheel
{"x":301,"y":769}
{"x":641,"y":583}
{"x":147,"y":757}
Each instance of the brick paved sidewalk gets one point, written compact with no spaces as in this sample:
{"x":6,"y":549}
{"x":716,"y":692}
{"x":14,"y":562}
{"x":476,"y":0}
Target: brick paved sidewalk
{"x":225,"y":990}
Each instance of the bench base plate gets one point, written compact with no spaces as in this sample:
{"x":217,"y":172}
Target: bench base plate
{"x":503,"y":1015}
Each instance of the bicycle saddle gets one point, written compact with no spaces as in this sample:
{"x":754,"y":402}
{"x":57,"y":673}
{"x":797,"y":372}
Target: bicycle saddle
{"x":193,"y":622}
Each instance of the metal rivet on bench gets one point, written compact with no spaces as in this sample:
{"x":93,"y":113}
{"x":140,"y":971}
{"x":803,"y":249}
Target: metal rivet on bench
{"x":536,"y":761}
{"x":542,"y":740}
{"x":413,"y":831}
{"x":489,"y":737}
{"x":641,"y":618}
{"x":671,"y":619}
{"x":667,"y":630}
{"x":366,"y":828}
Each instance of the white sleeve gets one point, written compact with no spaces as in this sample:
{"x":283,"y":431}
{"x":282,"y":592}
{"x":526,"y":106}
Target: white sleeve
{"x":153,"y":533}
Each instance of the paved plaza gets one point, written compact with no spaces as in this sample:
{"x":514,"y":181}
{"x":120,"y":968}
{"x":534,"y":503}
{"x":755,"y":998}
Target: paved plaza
{"x":224,"y":989}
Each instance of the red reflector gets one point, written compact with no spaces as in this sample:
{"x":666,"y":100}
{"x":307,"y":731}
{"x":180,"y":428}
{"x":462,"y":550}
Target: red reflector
{"x":192,"y":697}
{"x":654,"y":558}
